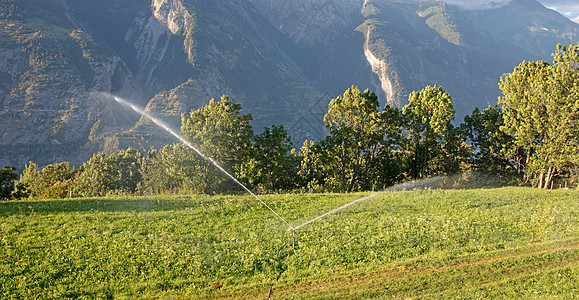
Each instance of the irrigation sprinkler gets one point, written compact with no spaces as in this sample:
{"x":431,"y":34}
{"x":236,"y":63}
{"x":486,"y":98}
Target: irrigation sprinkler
{"x":211,"y":160}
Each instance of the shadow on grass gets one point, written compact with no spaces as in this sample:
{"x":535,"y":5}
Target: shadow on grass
{"x":104,"y":205}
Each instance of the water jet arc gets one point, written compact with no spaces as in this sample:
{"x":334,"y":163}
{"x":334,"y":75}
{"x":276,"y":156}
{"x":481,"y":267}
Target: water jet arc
{"x":420,"y":183}
{"x":180,"y":138}
{"x":337,"y":210}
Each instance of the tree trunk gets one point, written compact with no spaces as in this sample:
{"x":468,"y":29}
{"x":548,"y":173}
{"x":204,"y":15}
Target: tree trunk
{"x":425,"y":159}
{"x":549,"y":178}
{"x":352,"y":180}
{"x":526,"y":175}
{"x":541,"y":176}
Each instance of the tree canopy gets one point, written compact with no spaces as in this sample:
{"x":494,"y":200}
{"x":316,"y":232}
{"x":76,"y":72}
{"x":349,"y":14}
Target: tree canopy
{"x":531,"y":136}
{"x":428,"y":115}
{"x":221,"y":133}
{"x":541,"y":109}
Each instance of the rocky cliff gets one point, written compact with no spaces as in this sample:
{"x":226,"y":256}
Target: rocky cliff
{"x":283,"y":60}
{"x":51,"y":69}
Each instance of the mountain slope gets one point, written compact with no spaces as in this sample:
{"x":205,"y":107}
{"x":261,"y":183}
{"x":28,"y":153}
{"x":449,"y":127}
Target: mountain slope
{"x":50,"y":69}
{"x":283,"y":60}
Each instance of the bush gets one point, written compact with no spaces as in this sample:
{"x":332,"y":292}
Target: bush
{"x":8,"y":178}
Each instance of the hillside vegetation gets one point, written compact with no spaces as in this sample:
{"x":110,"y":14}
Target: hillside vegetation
{"x":284,"y":60}
{"x":531,"y":139}
{"x":509,"y":242}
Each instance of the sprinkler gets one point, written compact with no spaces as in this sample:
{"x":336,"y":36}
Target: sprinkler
{"x":211,"y":160}
{"x":293,"y":229}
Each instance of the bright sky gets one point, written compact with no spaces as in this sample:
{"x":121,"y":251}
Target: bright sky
{"x":568,"y":8}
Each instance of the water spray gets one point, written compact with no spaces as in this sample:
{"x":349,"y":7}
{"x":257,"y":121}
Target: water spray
{"x":403,"y":186}
{"x":211,"y":160}
{"x":422,"y":183}
{"x":337,"y":209}
{"x":293,"y":229}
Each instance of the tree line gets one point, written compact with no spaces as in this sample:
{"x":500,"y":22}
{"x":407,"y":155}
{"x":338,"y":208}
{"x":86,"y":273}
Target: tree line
{"x":531,"y":137}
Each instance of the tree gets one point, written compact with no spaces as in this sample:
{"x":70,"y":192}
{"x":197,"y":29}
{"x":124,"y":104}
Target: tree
{"x":173,"y":169}
{"x":541,"y":109}
{"x":119,"y":173}
{"x":566,"y":60}
{"x":360,"y":137}
{"x":427,"y":116}
{"x":493,"y":151}
{"x":272,"y":164}
{"x":221,"y":133}
{"x":311,"y":166}
{"x":8,"y":178}
{"x":455,"y":151}
{"x":53,"y":181}
{"x":26,"y":183}
{"x":390,"y":162}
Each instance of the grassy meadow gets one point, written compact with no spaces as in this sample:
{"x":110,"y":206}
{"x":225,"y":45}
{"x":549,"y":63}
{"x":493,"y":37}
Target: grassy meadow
{"x":480,"y":243}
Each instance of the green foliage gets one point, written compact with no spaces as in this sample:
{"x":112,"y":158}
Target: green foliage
{"x":455,"y":152}
{"x":116,"y":173}
{"x":311,"y":172}
{"x":360,"y":142}
{"x":52,"y":182}
{"x":541,"y":108}
{"x":222,"y":134}
{"x":272,"y":165}
{"x":173,"y":169}
{"x":8,"y":178}
{"x":492,"y":243}
{"x":264,"y":162}
{"x":367,"y":149}
{"x":427,"y":117}
{"x":493,"y":151}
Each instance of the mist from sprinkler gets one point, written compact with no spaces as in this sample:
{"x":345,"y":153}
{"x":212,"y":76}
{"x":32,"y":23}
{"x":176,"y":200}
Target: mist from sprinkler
{"x":403,"y":186}
{"x":184,"y":141}
{"x":422,"y":183}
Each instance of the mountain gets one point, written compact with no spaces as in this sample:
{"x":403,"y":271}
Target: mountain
{"x":60,"y":60}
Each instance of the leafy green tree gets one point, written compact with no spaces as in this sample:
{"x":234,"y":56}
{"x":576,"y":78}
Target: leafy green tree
{"x":427,"y":116}
{"x":116,"y":173}
{"x":541,"y":109}
{"x":361,"y":137}
{"x":172,"y":169}
{"x":8,"y":177}
{"x":221,"y":133}
{"x":391,"y":164}
{"x":26,"y":183}
{"x":272,"y":165}
{"x":96,"y":177}
{"x":311,"y":172}
{"x":493,"y":151}
{"x":455,"y":152}
{"x":53,"y":181}
{"x":566,"y":61}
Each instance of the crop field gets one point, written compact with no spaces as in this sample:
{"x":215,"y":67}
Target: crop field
{"x":480,"y":243}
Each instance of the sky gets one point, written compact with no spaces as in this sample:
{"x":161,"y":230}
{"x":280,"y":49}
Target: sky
{"x":568,"y":8}
{"x":478,"y":4}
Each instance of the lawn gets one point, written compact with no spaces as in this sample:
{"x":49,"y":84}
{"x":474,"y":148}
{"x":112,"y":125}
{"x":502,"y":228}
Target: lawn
{"x":481,"y":243}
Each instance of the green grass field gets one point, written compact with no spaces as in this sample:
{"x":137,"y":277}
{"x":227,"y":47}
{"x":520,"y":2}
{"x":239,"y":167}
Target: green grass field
{"x":494,"y":243}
